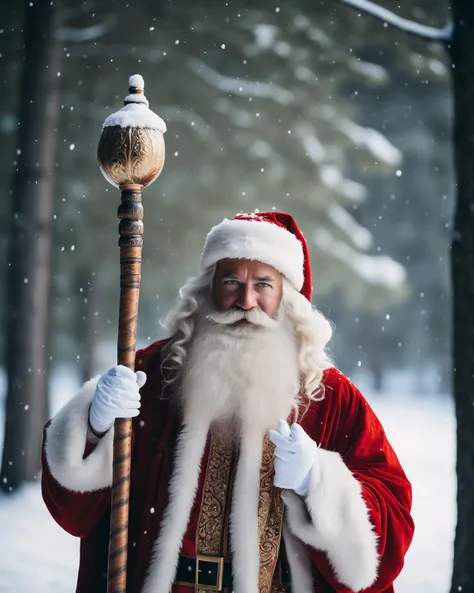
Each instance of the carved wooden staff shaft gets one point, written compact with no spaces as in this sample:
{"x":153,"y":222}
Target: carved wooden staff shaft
{"x":131,"y":154}
{"x":130,"y":213}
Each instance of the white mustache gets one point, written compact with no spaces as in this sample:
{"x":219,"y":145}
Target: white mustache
{"x":254,"y":316}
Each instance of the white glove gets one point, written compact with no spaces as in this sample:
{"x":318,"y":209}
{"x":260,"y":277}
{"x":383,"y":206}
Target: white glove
{"x":116,"y":396}
{"x":296,"y":455}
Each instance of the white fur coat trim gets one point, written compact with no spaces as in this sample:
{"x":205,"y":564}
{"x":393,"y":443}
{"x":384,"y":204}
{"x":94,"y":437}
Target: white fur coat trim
{"x":298,"y":561}
{"x":182,"y":492}
{"x":66,"y":438}
{"x":244,"y":534}
{"x":338,"y":522}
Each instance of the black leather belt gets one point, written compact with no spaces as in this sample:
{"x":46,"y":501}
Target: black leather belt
{"x":211,"y":573}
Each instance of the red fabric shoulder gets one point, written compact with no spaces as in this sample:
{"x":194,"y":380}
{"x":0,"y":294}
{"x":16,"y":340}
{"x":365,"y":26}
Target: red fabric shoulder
{"x":341,"y":393}
{"x":336,"y":383}
{"x":345,"y":422}
{"x":151,"y":353}
{"x":327,"y":419}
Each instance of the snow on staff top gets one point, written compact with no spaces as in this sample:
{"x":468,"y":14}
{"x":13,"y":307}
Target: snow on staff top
{"x":135,"y":112}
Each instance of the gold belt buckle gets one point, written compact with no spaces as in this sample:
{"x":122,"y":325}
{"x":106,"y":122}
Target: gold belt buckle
{"x":220,"y":572}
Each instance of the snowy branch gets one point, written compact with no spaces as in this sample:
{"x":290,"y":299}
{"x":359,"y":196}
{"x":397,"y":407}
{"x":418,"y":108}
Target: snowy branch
{"x":77,"y":35}
{"x":91,"y":33}
{"x":243,"y":88}
{"x":392,"y":19}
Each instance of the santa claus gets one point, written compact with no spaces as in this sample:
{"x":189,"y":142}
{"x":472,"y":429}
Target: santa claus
{"x":257,"y":466}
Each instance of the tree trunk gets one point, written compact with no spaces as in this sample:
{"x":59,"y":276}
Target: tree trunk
{"x":30,"y":243}
{"x":462,"y":259}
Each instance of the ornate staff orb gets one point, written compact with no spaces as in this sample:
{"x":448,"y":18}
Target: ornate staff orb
{"x":131,"y":148}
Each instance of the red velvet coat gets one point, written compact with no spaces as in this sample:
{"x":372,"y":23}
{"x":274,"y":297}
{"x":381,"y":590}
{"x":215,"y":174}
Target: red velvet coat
{"x":342,"y":422}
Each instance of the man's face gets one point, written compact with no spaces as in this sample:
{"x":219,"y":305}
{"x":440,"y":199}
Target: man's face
{"x":247,"y":284}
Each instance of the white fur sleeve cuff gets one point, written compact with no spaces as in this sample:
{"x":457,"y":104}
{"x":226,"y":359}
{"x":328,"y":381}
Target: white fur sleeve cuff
{"x":66,"y":439}
{"x":336,"y":520}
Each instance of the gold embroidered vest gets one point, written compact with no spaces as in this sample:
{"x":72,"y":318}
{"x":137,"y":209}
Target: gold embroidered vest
{"x":212,"y":533}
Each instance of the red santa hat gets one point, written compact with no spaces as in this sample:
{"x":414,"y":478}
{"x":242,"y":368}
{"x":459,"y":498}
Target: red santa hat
{"x":272,"y":238}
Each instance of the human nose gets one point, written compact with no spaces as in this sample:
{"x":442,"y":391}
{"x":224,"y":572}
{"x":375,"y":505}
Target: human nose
{"x":247,"y":298}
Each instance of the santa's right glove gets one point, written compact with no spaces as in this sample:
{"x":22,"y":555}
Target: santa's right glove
{"x":116,"y":396}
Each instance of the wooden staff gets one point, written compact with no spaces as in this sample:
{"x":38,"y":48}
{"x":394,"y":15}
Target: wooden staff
{"x":131,"y":154}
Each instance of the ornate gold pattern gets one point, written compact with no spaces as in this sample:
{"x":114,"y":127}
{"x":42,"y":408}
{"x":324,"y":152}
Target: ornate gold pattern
{"x":209,"y":536}
{"x":270,"y":518}
{"x":211,"y":533}
{"x":212,"y":514}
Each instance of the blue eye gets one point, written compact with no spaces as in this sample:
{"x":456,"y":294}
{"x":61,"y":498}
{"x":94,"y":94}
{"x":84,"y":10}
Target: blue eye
{"x":264,"y":285}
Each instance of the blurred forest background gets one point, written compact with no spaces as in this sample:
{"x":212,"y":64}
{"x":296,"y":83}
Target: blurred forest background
{"x":310,"y":107}
{"x":299,"y":106}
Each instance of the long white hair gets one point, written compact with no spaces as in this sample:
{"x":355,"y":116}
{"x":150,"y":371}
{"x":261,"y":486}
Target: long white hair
{"x":312,"y":331}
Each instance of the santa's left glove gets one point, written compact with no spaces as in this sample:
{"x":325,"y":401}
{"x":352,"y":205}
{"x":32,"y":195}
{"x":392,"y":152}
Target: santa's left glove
{"x":296,"y":458}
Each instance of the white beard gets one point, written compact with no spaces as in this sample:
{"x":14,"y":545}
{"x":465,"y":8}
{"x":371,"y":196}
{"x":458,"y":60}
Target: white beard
{"x":244,"y":378}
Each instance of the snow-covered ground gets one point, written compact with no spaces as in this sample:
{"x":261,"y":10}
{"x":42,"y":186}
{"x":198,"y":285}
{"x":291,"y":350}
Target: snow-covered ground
{"x":37,"y":557}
